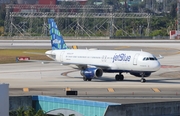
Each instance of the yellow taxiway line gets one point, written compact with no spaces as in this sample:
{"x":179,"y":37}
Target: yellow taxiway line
{"x":110,"y":90}
{"x":156,"y":90}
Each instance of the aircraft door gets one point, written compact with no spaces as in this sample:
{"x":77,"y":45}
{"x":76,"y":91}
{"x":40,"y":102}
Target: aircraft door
{"x":104,"y":58}
{"x":135,"y":59}
{"x":61,"y":56}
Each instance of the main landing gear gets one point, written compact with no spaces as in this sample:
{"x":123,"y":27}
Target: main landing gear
{"x":86,"y":79}
{"x":119,"y":77}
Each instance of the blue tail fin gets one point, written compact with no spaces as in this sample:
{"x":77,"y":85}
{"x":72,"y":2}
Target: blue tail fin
{"x":57,"y":41}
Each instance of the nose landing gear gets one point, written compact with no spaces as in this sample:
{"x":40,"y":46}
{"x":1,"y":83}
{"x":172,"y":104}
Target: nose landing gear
{"x":143,"y":80}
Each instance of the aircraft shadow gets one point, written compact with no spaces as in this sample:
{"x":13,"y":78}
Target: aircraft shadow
{"x":148,"y":80}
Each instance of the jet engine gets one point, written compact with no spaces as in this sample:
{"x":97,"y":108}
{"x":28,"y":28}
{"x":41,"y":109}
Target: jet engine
{"x":141,"y":74}
{"x":90,"y":73}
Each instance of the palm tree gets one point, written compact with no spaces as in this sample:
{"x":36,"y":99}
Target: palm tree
{"x":72,"y":115}
{"x":12,"y":113}
{"x":40,"y":113}
{"x":60,"y":114}
{"x":30,"y":112}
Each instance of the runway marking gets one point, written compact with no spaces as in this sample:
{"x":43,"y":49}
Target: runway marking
{"x":110,"y":90}
{"x":26,"y":89}
{"x":169,"y":66}
{"x":156,"y":90}
{"x":65,"y":73}
{"x":68,"y":89}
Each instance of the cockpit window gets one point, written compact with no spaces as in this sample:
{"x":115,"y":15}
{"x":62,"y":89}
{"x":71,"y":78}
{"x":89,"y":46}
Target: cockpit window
{"x":155,"y":58}
{"x":149,"y":58}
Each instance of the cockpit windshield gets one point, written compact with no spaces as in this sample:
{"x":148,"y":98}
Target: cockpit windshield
{"x":149,"y":58}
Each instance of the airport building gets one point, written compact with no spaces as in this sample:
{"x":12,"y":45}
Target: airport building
{"x":4,"y":1}
{"x":47,"y":2}
{"x":4,"y":99}
{"x":55,"y":106}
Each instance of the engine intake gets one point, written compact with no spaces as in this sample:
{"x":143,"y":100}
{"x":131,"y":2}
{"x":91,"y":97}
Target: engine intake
{"x":92,"y":73}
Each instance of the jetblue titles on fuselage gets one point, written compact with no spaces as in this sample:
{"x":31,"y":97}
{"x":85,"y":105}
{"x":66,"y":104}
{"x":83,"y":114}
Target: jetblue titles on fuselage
{"x":121,"y":57}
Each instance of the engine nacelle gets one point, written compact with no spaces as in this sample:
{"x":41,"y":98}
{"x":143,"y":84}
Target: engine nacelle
{"x":92,"y":73}
{"x":143,"y":74}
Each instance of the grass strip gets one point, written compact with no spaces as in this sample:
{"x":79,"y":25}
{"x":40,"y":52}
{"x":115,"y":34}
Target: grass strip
{"x":9,"y":55}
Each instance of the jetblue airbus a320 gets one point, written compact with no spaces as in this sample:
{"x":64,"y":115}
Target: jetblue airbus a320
{"x":93,"y":63}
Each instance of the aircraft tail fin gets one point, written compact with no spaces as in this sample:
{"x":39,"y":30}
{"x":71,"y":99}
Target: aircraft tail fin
{"x":57,"y":41}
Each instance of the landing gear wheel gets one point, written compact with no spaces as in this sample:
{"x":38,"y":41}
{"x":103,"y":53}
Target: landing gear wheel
{"x":89,"y":79}
{"x":85,"y":79}
{"x":119,"y":77}
{"x":143,"y":80}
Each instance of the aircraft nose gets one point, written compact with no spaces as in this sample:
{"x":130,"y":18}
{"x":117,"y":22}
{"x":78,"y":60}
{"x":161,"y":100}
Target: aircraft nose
{"x":156,"y":65}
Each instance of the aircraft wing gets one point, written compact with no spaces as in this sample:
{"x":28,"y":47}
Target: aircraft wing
{"x":41,"y":61}
{"x":36,"y":53}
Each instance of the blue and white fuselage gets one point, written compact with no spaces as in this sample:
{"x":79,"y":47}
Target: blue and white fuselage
{"x":93,"y":63}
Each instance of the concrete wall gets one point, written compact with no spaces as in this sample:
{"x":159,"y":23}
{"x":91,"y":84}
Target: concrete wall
{"x":4,"y":99}
{"x":141,"y":109}
{"x":145,"y":109}
{"x":19,"y":101}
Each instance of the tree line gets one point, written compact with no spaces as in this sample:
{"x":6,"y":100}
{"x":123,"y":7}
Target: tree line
{"x":160,"y":23}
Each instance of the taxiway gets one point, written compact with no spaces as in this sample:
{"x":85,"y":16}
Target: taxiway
{"x":55,"y":79}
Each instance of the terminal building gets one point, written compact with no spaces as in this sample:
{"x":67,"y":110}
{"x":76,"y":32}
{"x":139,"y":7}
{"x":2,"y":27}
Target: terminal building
{"x":4,"y":99}
{"x":49,"y":2}
{"x":4,"y":1}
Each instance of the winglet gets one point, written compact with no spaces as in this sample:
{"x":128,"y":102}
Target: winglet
{"x":57,"y":41}
{"x":160,"y":57}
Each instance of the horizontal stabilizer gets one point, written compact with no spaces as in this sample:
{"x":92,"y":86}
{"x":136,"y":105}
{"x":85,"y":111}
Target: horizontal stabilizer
{"x":36,"y":53}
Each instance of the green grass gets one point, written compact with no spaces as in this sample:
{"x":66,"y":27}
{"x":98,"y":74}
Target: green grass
{"x":9,"y":55}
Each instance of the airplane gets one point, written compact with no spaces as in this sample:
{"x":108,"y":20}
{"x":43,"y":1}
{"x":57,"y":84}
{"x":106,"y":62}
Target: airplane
{"x":92,"y":63}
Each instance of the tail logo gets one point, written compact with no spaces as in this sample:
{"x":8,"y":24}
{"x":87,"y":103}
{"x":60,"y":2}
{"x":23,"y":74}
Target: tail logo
{"x":56,"y":41}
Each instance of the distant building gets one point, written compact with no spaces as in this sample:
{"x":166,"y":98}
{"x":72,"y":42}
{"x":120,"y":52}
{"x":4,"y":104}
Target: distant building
{"x":4,"y":99}
{"x":47,"y":2}
{"x":98,"y":2}
{"x":159,"y":1}
{"x":131,"y":2}
{"x":82,"y":2}
{"x":27,"y":1}
{"x":4,"y":1}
